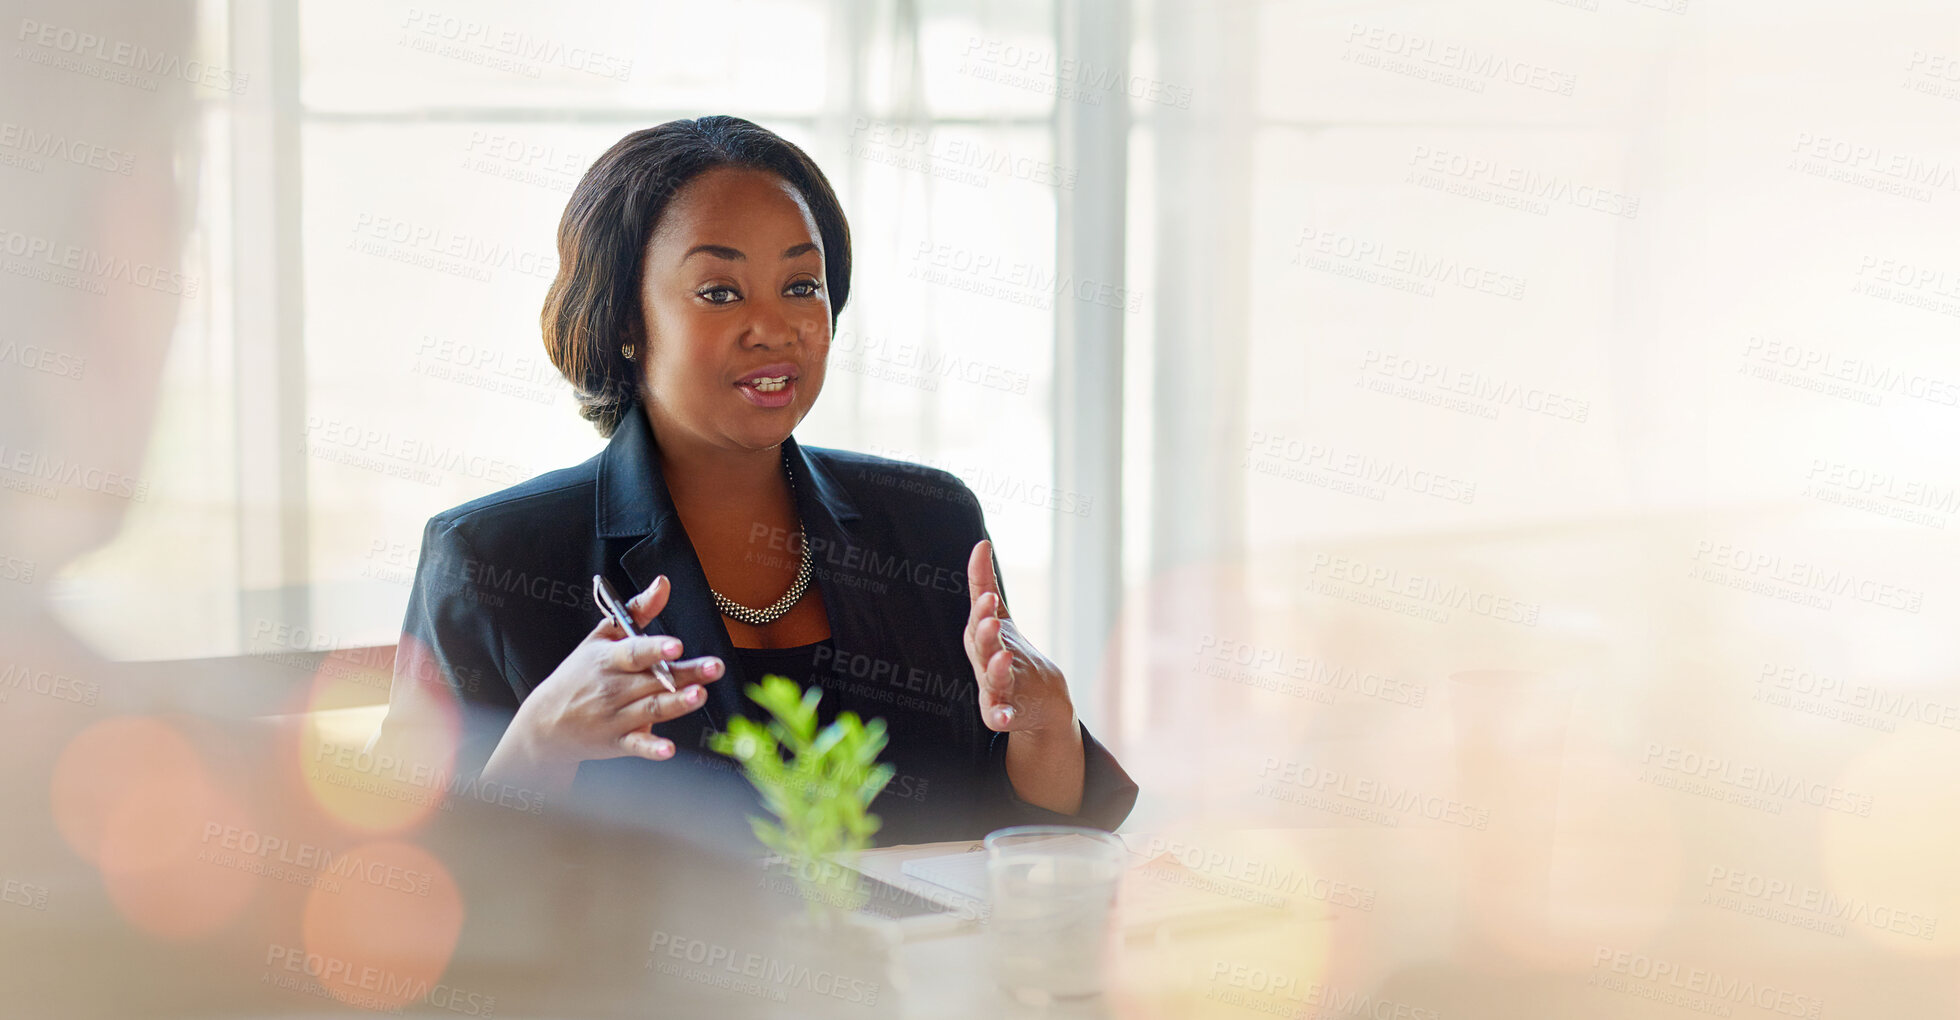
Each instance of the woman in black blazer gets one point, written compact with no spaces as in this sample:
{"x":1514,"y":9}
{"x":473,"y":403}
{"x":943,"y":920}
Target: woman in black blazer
{"x":702,"y":264}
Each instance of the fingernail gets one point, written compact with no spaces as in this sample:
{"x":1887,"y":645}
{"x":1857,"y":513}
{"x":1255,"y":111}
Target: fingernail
{"x":693,"y":695}
{"x":712,"y":667}
{"x":663,"y":749}
{"x":1005,"y":715}
{"x":670,"y":646}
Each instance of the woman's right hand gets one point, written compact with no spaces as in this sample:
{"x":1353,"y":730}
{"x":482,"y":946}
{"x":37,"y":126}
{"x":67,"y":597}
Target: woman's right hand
{"x":602,"y":700}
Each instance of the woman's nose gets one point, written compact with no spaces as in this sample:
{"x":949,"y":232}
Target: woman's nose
{"x":774,"y":327}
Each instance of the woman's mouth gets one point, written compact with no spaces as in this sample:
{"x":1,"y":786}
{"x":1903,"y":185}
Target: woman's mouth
{"x":769,"y":386}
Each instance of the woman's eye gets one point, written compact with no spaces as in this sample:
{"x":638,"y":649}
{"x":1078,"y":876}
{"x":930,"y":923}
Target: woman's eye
{"x":814,"y":288}
{"x":709,"y":295}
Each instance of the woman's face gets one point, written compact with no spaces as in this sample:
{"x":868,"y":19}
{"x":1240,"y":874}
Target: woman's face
{"x":737,"y":316}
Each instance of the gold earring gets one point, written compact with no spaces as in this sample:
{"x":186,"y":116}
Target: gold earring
{"x":626,"y":349}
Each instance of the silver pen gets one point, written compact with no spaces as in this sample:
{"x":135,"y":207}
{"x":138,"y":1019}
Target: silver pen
{"x":610,"y":603}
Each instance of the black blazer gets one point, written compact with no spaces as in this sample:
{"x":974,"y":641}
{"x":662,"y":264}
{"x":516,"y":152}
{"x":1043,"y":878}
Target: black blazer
{"x":503,"y":593}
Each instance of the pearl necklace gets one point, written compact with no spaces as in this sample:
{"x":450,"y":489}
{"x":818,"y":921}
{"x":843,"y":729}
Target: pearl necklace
{"x":775,"y":610}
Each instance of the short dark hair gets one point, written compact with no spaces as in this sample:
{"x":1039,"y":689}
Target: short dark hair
{"x":593,"y":305}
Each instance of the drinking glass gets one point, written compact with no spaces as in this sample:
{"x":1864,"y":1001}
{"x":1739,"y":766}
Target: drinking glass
{"x":1052,"y":888}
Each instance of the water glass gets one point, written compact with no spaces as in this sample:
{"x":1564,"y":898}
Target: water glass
{"x":1052,"y":888}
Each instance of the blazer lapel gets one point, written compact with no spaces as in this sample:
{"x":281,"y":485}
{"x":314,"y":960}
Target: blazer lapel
{"x":633,"y":503}
{"x":831,"y":520}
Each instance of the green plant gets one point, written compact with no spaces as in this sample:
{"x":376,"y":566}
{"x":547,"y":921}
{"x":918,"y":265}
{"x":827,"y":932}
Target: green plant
{"x":818,"y":785}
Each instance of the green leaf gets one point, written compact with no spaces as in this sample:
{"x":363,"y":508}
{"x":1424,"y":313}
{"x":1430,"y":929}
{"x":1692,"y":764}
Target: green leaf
{"x":831,"y":737}
{"x":875,"y":782}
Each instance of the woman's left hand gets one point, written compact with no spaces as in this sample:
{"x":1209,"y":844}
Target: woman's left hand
{"x":1020,"y":689}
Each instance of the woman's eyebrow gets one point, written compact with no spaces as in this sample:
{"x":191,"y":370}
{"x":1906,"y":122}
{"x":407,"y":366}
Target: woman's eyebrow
{"x":722,"y":251}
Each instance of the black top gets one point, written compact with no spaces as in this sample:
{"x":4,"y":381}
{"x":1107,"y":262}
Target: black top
{"x":503,"y":593}
{"x":798,"y":662}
